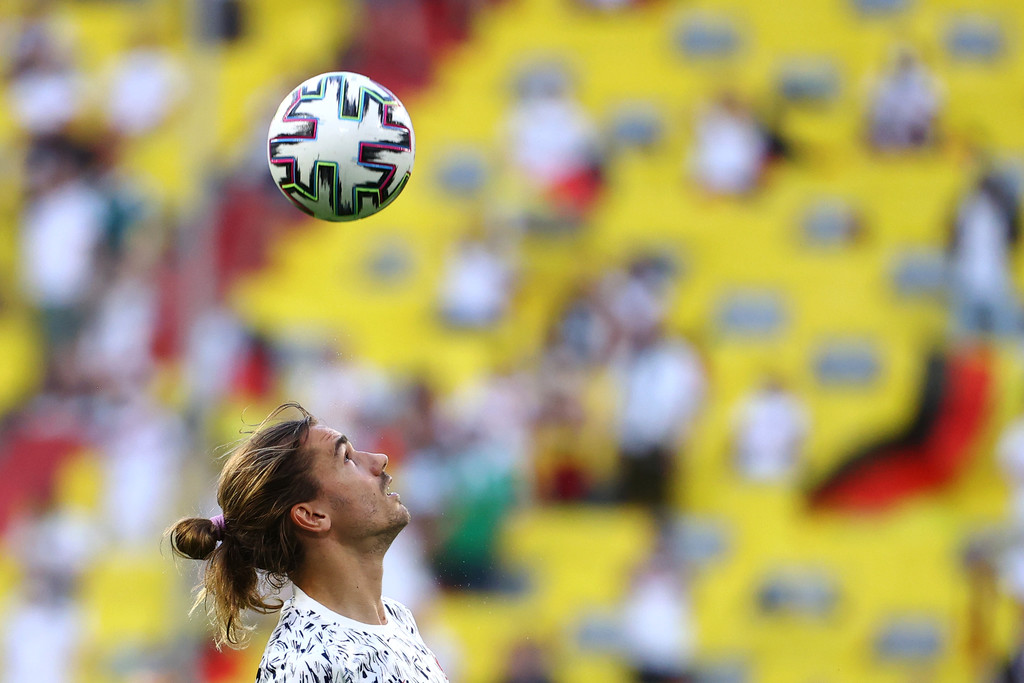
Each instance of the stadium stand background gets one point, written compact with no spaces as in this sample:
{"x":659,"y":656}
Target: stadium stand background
{"x":889,"y":558}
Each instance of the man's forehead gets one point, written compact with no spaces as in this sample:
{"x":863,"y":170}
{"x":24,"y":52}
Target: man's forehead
{"x":325,"y":433}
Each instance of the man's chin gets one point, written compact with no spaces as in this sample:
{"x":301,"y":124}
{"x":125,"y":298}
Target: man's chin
{"x":399,"y":521}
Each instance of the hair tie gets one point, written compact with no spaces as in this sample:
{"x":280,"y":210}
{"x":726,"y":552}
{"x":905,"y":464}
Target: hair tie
{"x":218,"y":526}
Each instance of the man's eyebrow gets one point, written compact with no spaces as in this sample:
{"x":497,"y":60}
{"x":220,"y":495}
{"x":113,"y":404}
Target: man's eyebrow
{"x":339,"y":442}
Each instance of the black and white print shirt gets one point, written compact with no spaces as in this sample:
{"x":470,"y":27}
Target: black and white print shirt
{"x":312,"y":644}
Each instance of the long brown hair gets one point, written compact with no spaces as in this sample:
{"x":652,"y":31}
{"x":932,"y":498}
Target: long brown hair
{"x":260,"y":482}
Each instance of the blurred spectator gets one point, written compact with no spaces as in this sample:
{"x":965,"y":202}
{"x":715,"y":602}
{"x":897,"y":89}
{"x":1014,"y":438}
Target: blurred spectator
{"x":43,"y":626}
{"x":527,"y":663}
{"x":904,"y":105}
{"x":143,"y":449}
{"x":56,"y":547}
{"x":658,"y":638}
{"x":146,"y":84}
{"x":662,"y":387}
{"x":730,"y":149}
{"x":255,"y":374}
{"x":61,"y":231}
{"x":501,"y":407}
{"x":769,"y":431}
{"x":38,"y":30}
{"x":560,"y":446}
{"x":43,"y":633}
{"x":479,"y":482}
{"x":636,"y":298}
{"x":986,"y":228}
{"x":46,"y":90}
{"x":420,"y":420}
{"x":477,"y":284}
{"x":115,"y":351}
{"x":587,"y":332}
{"x":553,"y":142}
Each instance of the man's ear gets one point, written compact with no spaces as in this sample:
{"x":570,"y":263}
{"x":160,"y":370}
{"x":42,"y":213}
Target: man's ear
{"x":309,"y":517}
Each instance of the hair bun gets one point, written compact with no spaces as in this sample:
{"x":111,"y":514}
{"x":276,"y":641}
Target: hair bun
{"x":195,"y":537}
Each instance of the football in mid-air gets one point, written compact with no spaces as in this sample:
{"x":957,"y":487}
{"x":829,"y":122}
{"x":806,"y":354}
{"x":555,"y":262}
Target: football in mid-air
{"x":341,"y":146}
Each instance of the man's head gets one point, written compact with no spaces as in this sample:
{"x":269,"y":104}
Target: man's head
{"x":291,"y":486}
{"x":353,"y":504}
{"x":296,"y":483}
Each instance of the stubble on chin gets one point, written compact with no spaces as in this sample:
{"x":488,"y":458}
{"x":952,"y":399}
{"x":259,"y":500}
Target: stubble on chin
{"x":387,"y":535}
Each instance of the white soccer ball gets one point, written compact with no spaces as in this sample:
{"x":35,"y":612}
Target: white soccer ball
{"x":341,"y":146}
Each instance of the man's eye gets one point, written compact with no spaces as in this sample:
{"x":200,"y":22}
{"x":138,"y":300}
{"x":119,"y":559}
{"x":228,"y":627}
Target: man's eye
{"x":347,"y":456}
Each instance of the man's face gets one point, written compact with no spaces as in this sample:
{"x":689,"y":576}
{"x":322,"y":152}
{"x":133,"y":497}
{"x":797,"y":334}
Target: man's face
{"x":354,"y":489}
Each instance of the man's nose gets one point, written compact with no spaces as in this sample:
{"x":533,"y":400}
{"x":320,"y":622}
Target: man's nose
{"x":378,"y":462}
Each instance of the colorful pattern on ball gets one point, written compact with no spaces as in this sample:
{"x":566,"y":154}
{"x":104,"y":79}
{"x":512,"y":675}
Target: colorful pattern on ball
{"x":341,"y":146}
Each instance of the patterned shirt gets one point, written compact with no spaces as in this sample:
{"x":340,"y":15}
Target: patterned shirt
{"x":312,"y":644}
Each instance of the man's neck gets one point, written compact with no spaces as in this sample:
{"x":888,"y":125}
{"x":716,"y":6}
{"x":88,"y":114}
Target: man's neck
{"x":344,"y":581}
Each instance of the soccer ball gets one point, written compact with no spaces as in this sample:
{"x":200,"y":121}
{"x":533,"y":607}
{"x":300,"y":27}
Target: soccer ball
{"x":341,"y":146}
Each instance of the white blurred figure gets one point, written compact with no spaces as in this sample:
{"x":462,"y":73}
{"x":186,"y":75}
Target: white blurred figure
{"x":985,"y":230}
{"x":729,"y":148}
{"x":43,"y":627}
{"x":657,"y":630}
{"x":43,"y":633}
{"x":904,"y":105}
{"x":59,"y":545}
{"x":770,"y":428}
{"x":143,"y":448}
{"x":635,"y":306}
{"x":551,"y":137}
{"x":61,"y":231}
{"x":116,"y":349}
{"x":146,"y":84}
{"x":500,"y":408}
{"x":635,"y":299}
{"x":477,"y":284}
{"x":46,"y":91}
{"x":662,"y":387}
